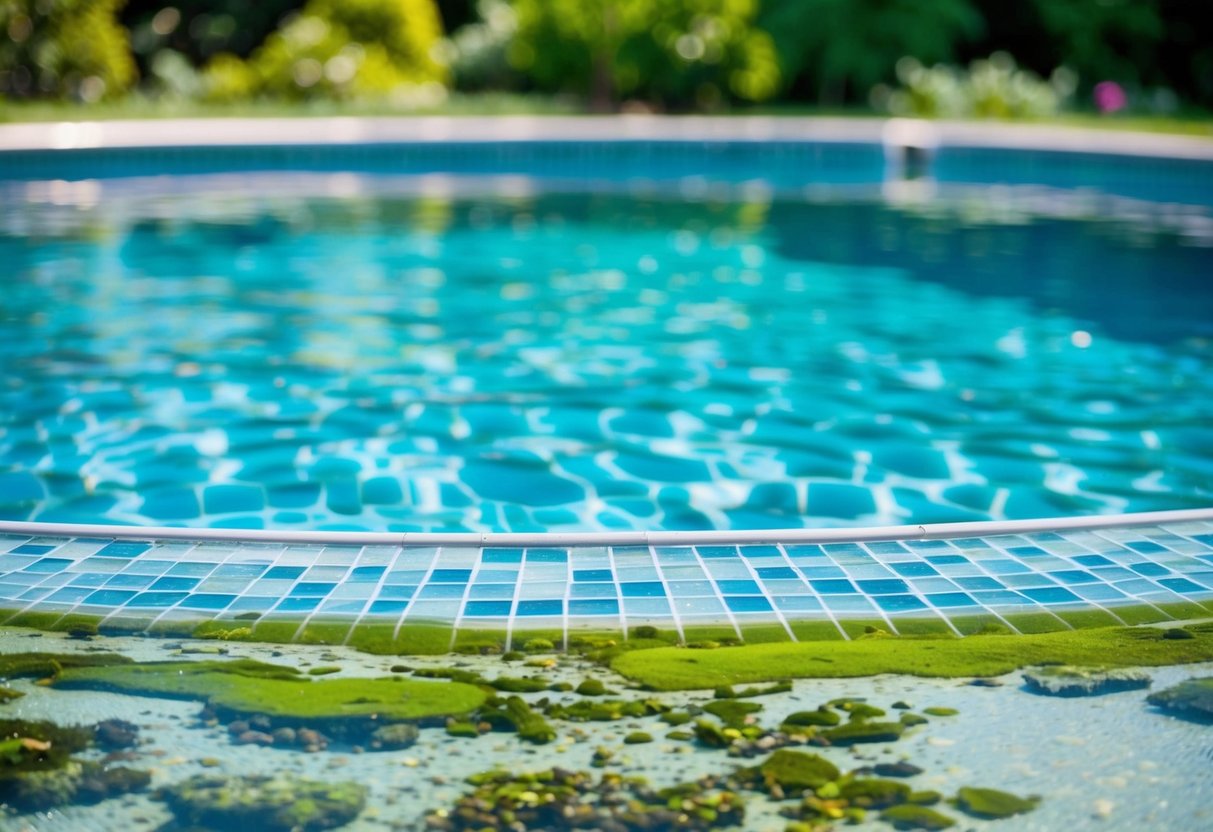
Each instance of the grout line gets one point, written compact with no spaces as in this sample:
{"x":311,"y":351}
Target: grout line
{"x":665,"y":585}
{"x":429,"y":570}
{"x":379,"y":584}
{"x":779,"y":616}
{"x":703,"y":564}
{"x":829,"y":613}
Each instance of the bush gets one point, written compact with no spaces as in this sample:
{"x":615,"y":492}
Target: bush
{"x":63,"y":49}
{"x":836,"y":50}
{"x":670,"y":52}
{"x":991,"y":88}
{"x":477,"y":52}
{"x":341,"y":49}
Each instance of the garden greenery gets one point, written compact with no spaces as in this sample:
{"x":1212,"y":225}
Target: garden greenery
{"x":63,"y":49}
{"x":671,"y":52}
{"x":340,"y":49}
{"x":653,"y":54}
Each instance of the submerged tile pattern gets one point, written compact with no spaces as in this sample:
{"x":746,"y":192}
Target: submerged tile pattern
{"x":611,"y":587}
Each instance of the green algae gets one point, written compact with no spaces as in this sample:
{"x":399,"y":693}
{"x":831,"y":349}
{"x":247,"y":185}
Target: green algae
{"x":728,"y":692}
{"x":281,"y":803}
{"x":862,"y":731}
{"x":519,"y":684}
{"x":977,"y":655}
{"x":793,"y":771}
{"x":637,"y":738}
{"x":821,"y":718}
{"x":858,"y":711}
{"x":243,"y":686}
{"x":38,"y":771}
{"x":530,"y":726}
{"x":592,"y":687}
{"x":992,"y":804}
{"x":910,"y":816}
{"x":1192,"y":699}
{"x":1070,"y":680}
{"x":557,"y":799}
{"x":731,"y":712}
{"x":915,"y":626}
{"x":815,"y":630}
{"x":466,"y":730}
{"x":937,"y":711}
{"x":8,"y":694}
{"x":604,"y":710}
{"x":42,"y":665}
{"x":676,"y":718}
{"x":873,"y":793}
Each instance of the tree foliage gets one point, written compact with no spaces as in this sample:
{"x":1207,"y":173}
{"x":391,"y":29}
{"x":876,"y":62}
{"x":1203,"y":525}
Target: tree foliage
{"x":844,"y":47}
{"x":672,"y":52}
{"x":338,"y":49}
{"x":63,"y":49}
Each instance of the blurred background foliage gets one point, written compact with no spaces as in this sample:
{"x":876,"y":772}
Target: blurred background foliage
{"x":960,"y":58}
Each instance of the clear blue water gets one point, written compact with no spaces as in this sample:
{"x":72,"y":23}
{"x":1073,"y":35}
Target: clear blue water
{"x":359,"y":350}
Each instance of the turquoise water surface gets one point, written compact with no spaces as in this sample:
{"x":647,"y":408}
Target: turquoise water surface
{"x":353,"y":350}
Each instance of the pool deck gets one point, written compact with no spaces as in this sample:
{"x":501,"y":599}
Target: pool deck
{"x":1028,"y":576}
{"x":240,"y":132}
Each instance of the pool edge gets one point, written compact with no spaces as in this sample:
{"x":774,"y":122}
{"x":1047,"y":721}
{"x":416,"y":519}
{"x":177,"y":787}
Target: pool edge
{"x":849,"y":534}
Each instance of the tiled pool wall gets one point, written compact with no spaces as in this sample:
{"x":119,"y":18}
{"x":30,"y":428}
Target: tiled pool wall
{"x":399,"y":597}
{"x":788,"y":163}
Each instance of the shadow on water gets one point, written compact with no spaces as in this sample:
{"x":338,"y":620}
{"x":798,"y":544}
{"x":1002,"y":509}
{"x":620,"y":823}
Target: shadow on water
{"x":1133,"y":280}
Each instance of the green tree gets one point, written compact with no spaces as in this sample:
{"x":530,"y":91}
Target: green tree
{"x":842,"y":48}
{"x":671,"y":52}
{"x":339,"y":49}
{"x":1104,"y":39}
{"x":63,"y":49}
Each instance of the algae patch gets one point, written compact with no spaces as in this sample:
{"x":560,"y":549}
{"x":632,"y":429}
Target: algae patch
{"x":672,"y":668}
{"x":245,"y":687}
{"x":281,"y":803}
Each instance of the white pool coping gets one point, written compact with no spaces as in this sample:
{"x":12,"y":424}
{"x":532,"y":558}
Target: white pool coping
{"x":307,"y":131}
{"x":714,"y":537}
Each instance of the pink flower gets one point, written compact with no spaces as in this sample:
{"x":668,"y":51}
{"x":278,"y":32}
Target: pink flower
{"x":1109,"y":97}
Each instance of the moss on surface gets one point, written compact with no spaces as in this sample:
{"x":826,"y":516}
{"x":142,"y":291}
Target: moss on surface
{"x":815,"y":630}
{"x":821,"y":718}
{"x":979,"y":655}
{"x":993,"y":804}
{"x":860,"y":627}
{"x":854,"y":733}
{"x":1088,"y":618}
{"x":916,"y":626}
{"x":1139,"y":614}
{"x":910,"y":816}
{"x":795,"y":771}
{"x":276,"y":630}
{"x":1192,"y":699}
{"x":1035,"y":622}
{"x":763,"y":633}
{"x":479,"y":642}
{"x":40,"y":665}
{"x":324,"y":632}
{"x":719,"y":633}
{"x":248,"y":687}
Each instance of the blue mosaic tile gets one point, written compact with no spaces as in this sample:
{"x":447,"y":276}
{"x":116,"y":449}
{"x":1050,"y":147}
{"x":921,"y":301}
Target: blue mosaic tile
{"x":124,"y":549}
{"x":706,"y":584}
{"x":747,"y":603}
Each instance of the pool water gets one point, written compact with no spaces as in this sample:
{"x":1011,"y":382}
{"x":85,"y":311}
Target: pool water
{"x":465,"y":353}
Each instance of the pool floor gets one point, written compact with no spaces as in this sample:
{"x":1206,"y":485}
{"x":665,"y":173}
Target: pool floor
{"x":433,"y":598}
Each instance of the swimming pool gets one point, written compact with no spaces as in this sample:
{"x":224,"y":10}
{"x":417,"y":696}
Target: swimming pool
{"x":321,"y":407}
{"x":653,"y":333}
